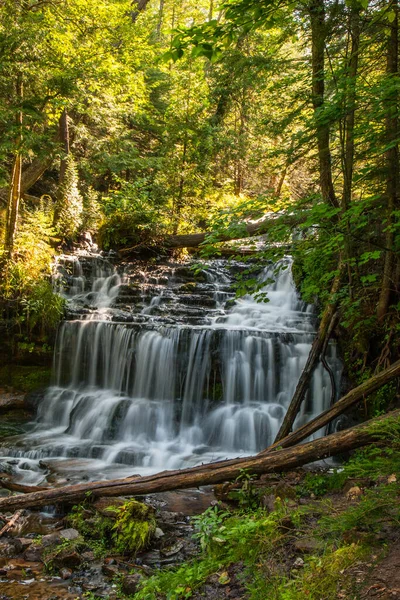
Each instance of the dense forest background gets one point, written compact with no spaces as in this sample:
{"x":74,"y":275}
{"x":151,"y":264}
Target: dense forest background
{"x":135,"y":122}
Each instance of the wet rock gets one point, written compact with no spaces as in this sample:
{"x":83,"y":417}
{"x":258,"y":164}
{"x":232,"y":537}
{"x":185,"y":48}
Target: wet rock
{"x":69,"y":534}
{"x":26,"y":543}
{"x":34,"y":553}
{"x":129,"y":585}
{"x":172,"y":549}
{"x":88,"y":556}
{"x":170,"y":518}
{"x":67,"y":558}
{"x":158,"y":533}
{"x":10,"y":547}
{"x":151,"y":558}
{"x":31,"y":400}
{"x":65,"y":573}
{"x":109,"y":570}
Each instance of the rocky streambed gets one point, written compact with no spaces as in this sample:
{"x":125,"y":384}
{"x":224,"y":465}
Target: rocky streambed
{"x":43,"y":558}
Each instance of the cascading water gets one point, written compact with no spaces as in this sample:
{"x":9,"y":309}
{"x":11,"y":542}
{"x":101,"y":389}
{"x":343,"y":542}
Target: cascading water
{"x":156,"y":370}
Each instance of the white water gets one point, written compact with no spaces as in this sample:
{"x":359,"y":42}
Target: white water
{"x":156,"y":393}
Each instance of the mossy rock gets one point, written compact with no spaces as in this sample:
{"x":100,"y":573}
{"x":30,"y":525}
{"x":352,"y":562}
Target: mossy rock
{"x":123,"y":528}
{"x":134,"y":527}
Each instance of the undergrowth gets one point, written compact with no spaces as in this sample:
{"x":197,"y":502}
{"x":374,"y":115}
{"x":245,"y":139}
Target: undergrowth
{"x":263,"y":545}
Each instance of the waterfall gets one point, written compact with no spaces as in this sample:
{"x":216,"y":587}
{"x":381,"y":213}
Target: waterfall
{"x":155,"y":368}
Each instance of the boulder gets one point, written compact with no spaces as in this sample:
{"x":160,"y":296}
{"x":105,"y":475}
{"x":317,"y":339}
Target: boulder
{"x":130,"y":584}
{"x":10,"y":547}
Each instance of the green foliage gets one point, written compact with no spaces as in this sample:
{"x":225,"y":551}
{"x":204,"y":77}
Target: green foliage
{"x":126,"y":529}
{"x":25,"y":289}
{"x":130,"y":219}
{"x":42,"y":309}
{"x":377,"y":508}
{"x":319,"y":579}
{"x":134,"y":527}
{"x":69,"y":207}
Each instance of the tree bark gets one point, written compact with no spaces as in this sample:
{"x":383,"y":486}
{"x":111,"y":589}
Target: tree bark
{"x":392,"y":163}
{"x":318,"y":34}
{"x":352,"y":398}
{"x":228,"y":470}
{"x":15,"y":184}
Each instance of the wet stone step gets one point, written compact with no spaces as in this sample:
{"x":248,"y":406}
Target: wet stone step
{"x":198,"y":300}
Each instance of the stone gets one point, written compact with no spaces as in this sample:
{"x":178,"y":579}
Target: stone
{"x":109,"y":570}
{"x":11,"y":401}
{"x":158,"y":533}
{"x":268,"y":502}
{"x":67,"y":558}
{"x":26,"y":542}
{"x":65,"y":573}
{"x":10,"y":547}
{"x":129,"y":585}
{"x":299,"y":562}
{"x":51,"y":539}
{"x":69,"y":534}
{"x":172,"y":549}
{"x":88,"y":556}
{"x":34,"y":553}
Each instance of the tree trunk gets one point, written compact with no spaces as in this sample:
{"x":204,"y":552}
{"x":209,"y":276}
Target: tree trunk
{"x":392,"y":162}
{"x":348,"y":133}
{"x":193,"y":240}
{"x":313,"y":358}
{"x":228,"y":470}
{"x":318,"y":34}
{"x":15,"y":184}
{"x":353,"y":397}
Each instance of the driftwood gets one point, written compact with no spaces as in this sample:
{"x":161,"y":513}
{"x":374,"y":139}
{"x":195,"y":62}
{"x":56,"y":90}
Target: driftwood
{"x":320,"y":340}
{"x":353,"y":397}
{"x":10,"y":523}
{"x":280,"y":460}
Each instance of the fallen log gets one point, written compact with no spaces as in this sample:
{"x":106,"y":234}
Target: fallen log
{"x":193,"y":240}
{"x":18,"y":487}
{"x":319,"y":342}
{"x":280,"y":460}
{"x":350,"y":399}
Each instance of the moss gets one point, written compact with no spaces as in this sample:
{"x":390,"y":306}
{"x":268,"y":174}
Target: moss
{"x":25,"y":378}
{"x":134,"y":527}
{"x":128,"y":528}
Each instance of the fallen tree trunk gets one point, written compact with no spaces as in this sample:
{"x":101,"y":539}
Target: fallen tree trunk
{"x":25,"y":489}
{"x":321,"y":338}
{"x":193,"y":240}
{"x":212,"y":473}
{"x":353,"y":397}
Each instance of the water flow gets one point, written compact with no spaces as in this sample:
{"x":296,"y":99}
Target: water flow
{"x":154,"y":371}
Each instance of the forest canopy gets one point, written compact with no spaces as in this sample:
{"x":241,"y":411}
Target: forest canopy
{"x":138,"y":121}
